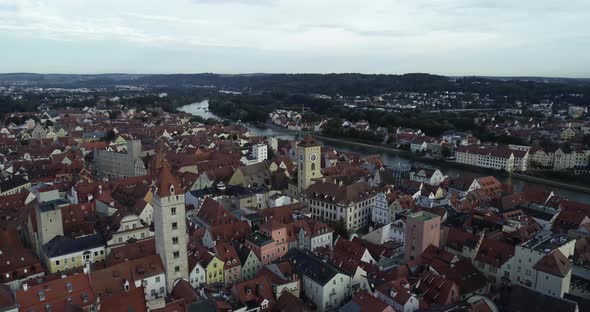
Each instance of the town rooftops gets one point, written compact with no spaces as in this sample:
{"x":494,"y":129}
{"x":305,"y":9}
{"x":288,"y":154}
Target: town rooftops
{"x":344,"y":194}
{"x":111,"y":280}
{"x":63,"y":245}
{"x":58,"y":295}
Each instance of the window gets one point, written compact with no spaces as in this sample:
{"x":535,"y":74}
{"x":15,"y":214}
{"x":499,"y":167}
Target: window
{"x":157,"y":279}
{"x":175,"y":240}
{"x":176,"y":254}
{"x":173,"y":211}
{"x":174,"y":225}
{"x":177,"y":269}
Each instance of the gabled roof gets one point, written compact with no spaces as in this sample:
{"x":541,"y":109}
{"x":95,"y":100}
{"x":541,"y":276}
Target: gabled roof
{"x":255,"y":291}
{"x":494,"y":252}
{"x":228,"y":254}
{"x":363,"y":301}
{"x":554,"y":263}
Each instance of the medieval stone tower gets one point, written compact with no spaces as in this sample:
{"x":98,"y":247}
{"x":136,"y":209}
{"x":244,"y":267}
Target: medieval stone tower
{"x":170,"y":226}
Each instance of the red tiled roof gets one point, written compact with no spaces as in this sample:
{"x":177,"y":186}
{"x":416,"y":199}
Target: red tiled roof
{"x":213,"y":213}
{"x":368,"y":303}
{"x":57,"y":293}
{"x":257,"y":290}
{"x":494,"y":252}
{"x":132,"y":300}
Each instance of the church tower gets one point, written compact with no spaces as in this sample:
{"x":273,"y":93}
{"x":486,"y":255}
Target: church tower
{"x":170,"y":226}
{"x":308,"y":162}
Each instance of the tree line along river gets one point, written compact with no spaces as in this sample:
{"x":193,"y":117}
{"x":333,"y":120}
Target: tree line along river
{"x":389,"y":157}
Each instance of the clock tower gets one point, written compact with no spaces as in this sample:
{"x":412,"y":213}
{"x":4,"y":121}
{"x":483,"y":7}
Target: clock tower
{"x":308,"y":162}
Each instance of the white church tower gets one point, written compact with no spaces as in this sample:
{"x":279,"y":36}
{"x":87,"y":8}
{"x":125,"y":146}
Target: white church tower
{"x":170,"y":226}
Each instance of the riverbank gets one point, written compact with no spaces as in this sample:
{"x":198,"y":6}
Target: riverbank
{"x":446,"y":163}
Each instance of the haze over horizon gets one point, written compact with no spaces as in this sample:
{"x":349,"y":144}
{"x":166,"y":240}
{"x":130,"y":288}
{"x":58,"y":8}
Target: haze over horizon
{"x":446,"y":37}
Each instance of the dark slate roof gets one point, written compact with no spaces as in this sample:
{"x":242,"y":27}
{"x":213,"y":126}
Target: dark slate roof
{"x":242,"y":250}
{"x":312,"y":266}
{"x":52,"y":205}
{"x":11,"y":183}
{"x":229,"y":190}
{"x":63,"y":245}
{"x":523,"y":299}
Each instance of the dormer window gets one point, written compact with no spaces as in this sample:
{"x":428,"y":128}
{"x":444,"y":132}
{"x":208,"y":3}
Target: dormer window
{"x":171,"y":189}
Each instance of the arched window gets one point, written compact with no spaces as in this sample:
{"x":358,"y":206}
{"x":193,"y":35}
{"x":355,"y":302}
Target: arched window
{"x":312,"y":166}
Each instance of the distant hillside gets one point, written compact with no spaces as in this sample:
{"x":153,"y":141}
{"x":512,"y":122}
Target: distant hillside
{"x":330,"y":84}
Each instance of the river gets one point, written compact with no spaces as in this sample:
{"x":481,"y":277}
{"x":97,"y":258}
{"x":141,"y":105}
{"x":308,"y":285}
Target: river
{"x":389,"y":157}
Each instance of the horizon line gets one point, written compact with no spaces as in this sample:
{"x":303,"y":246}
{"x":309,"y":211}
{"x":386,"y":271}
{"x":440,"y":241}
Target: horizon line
{"x":290,"y":73}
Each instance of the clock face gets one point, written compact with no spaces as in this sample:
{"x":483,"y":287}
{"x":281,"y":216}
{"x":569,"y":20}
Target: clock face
{"x":313,"y":157}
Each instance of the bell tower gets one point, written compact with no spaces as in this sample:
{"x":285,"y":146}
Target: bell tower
{"x":308,"y":162}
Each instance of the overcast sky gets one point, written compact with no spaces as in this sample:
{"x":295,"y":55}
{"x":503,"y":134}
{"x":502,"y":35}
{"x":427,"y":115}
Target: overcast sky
{"x":449,"y":37}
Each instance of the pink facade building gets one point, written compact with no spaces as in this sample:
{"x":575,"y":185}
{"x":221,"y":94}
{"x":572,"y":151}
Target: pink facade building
{"x":422,"y":230}
{"x":263,"y":247}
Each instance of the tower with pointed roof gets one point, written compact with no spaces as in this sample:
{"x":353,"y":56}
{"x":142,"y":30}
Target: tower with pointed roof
{"x":170,"y":226}
{"x":308,"y":162}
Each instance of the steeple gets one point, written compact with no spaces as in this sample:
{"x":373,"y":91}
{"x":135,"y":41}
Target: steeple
{"x":167,"y":184}
{"x":159,"y":157}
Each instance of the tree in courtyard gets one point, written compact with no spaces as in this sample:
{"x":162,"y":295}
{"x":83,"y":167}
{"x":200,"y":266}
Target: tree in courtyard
{"x":341,"y":229}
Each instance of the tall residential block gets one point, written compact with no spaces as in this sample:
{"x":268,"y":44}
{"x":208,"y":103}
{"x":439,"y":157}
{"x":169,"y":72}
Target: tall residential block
{"x":422,"y":230}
